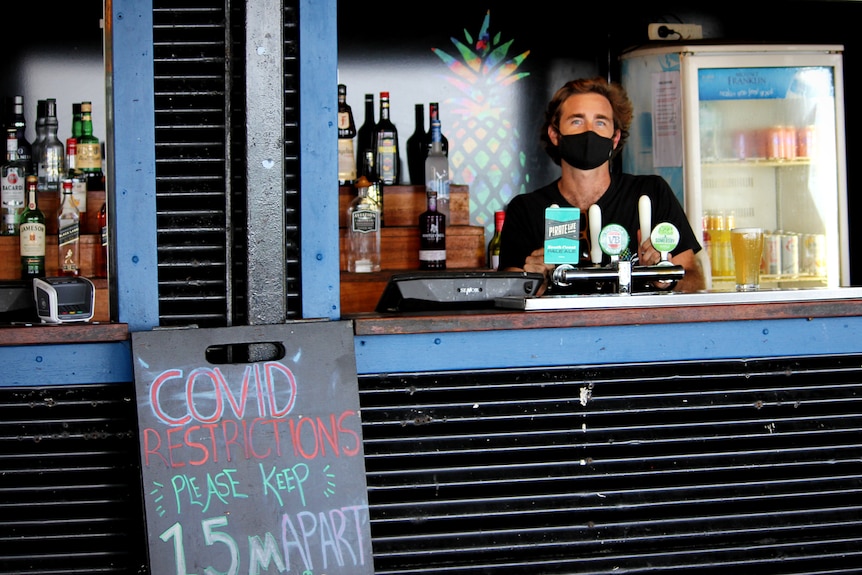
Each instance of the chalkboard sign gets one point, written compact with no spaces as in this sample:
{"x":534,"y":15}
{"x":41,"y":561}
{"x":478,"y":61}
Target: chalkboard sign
{"x":251,"y":450}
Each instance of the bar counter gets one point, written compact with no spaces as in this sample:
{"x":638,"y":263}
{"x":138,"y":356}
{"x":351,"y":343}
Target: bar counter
{"x":619,"y":329}
{"x":611,"y":310}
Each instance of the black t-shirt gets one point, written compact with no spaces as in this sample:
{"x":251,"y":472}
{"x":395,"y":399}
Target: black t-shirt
{"x":524,"y":227}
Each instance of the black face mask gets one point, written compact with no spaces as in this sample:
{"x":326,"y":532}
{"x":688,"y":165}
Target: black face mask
{"x":586,"y":150}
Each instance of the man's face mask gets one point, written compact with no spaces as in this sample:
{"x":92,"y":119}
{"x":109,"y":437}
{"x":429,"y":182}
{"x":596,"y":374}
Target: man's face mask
{"x":586,"y":150}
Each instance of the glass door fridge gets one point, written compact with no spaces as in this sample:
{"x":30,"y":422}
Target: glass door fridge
{"x":748,"y":136}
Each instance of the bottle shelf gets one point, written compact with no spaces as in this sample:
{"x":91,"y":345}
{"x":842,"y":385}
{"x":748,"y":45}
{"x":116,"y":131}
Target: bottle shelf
{"x":49,"y":202}
{"x":756,"y":163}
{"x":465,"y":244}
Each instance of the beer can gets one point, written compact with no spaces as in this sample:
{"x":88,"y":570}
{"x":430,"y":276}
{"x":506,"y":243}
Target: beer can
{"x":771,"y":254}
{"x":740,"y":145}
{"x":790,"y":255}
{"x":775,"y":143}
{"x":815,"y":247}
{"x":805,"y":142}
{"x":789,"y":148}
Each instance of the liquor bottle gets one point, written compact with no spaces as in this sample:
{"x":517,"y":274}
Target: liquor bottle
{"x":363,"y":231}
{"x":13,"y":174}
{"x":416,"y":151}
{"x":365,"y":134}
{"x":346,"y":133}
{"x":375,"y":186}
{"x":79,"y":182}
{"x":77,"y":129}
{"x":39,"y":140}
{"x":52,"y":157}
{"x":494,"y":244}
{"x":101,"y":264}
{"x":387,"y":159}
{"x":90,"y":151}
{"x":434,"y":114}
{"x":32,"y":238}
{"x":437,"y":171}
{"x":68,"y":234}
{"x":19,"y":122}
{"x":432,"y":236}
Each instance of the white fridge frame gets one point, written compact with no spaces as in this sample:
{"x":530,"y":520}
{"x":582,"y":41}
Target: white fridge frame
{"x":693,"y":58}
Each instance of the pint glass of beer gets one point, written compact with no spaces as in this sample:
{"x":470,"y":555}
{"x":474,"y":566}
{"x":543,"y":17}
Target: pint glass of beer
{"x":747,"y":247}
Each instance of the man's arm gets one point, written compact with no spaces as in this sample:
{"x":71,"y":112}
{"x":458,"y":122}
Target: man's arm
{"x":693,"y":280}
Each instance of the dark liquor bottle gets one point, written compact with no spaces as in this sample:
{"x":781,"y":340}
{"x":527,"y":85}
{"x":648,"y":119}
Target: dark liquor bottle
{"x":434,"y":114}
{"x":101,"y":265}
{"x":52,"y":157}
{"x":494,"y":244}
{"x":365,"y":134}
{"x":39,"y":140}
{"x":77,"y":130}
{"x":13,"y":197}
{"x":387,"y":159}
{"x":90,"y":151}
{"x":18,"y":121}
{"x":346,"y":134}
{"x":79,"y":181}
{"x":375,"y":187}
{"x":432,"y":236}
{"x":68,"y":234}
{"x":32,"y":235}
{"x":416,"y":148}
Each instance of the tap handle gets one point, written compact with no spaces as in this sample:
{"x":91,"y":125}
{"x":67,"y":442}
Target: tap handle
{"x":645,"y":216}
{"x":595,"y":222}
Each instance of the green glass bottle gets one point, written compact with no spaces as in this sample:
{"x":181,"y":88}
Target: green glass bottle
{"x":90,"y":151}
{"x":32,"y":235}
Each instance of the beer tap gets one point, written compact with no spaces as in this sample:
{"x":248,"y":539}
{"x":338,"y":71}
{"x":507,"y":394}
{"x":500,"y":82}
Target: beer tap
{"x":613,"y":240}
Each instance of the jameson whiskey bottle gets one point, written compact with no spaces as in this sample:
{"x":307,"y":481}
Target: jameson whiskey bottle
{"x":13,"y":174}
{"x":346,"y":134}
{"x":416,"y":151}
{"x":365,"y":134}
{"x":90,"y":151}
{"x":363,"y":231}
{"x":494,"y":244}
{"x":32,"y":235}
{"x":68,"y":234}
{"x":432,"y":236}
{"x":387,"y":158}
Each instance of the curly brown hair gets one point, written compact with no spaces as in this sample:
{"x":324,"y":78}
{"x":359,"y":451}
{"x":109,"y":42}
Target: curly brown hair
{"x":613,"y":91}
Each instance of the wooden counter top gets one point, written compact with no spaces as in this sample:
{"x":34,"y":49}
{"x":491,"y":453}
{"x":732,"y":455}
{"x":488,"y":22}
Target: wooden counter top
{"x":502,"y":319}
{"x":49,"y":334}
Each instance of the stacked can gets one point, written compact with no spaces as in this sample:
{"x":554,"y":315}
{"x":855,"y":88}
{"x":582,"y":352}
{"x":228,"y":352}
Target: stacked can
{"x":813,"y":250}
{"x":790,"y":255}
{"x":771,"y":254}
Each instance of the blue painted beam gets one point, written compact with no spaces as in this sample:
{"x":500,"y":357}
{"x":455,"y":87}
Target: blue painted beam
{"x":607,"y":345}
{"x":318,"y":54}
{"x":73,"y":364}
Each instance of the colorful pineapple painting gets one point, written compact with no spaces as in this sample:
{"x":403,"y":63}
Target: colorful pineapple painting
{"x":485,"y":151}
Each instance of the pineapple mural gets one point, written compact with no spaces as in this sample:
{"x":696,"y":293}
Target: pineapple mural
{"x":485,"y":150}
